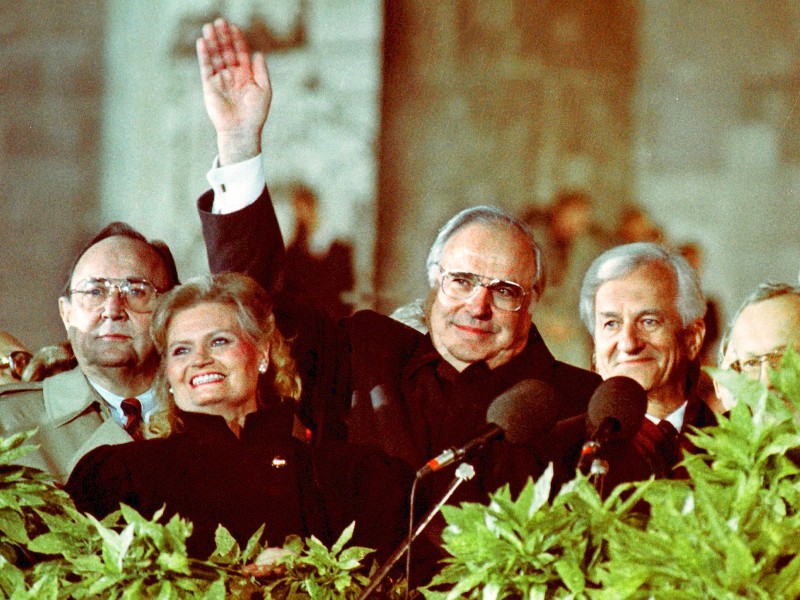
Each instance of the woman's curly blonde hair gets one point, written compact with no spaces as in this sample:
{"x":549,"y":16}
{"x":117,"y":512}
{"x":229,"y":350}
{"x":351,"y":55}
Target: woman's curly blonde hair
{"x":254,"y":312}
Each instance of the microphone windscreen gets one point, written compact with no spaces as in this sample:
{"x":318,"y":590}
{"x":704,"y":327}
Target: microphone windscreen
{"x":620,"y":398}
{"x":524,"y":411}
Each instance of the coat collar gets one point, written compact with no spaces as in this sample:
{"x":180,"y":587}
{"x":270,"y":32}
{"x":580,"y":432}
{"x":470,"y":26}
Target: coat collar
{"x":67,"y":395}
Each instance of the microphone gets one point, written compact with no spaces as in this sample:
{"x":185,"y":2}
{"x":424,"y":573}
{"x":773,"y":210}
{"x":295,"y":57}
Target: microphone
{"x":615,"y":414}
{"x":518,"y":415}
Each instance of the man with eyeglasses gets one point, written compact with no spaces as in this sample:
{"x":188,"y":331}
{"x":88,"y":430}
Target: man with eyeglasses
{"x":766,"y":324}
{"x":374,"y":380}
{"x":106,"y":307}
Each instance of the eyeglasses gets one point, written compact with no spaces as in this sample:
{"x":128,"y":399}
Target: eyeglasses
{"x":16,"y":362}
{"x":752,"y":366}
{"x":139,"y":294}
{"x":460,"y":285}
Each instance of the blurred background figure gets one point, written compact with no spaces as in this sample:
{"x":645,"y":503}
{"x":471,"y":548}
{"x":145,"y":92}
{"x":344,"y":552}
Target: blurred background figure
{"x":570,"y":228}
{"x":14,"y":357}
{"x":635,"y":225}
{"x":319,"y":266}
{"x":50,"y":360}
{"x":571,"y":240}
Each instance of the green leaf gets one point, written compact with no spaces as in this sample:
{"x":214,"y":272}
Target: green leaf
{"x":12,"y":526}
{"x":253,"y":546}
{"x":48,"y":543}
{"x":227,"y":550}
{"x":345,"y":537}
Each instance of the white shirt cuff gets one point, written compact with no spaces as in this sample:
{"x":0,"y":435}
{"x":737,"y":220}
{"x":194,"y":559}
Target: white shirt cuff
{"x":236,"y":186}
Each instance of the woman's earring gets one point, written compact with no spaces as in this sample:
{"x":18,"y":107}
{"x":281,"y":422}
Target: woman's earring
{"x":262,"y":367}
{"x":171,"y":391}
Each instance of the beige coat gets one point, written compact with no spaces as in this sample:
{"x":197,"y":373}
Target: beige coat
{"x":70,"y":415}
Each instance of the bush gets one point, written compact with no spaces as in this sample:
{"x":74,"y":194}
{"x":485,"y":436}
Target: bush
{"x":50,"y":550}
{"x":732,"y":530}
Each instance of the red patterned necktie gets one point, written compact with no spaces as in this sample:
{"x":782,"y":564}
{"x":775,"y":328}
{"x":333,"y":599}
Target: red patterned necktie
{"x":132,"y":409}
{"x":659,"y":445}
{"x":672,"y":447}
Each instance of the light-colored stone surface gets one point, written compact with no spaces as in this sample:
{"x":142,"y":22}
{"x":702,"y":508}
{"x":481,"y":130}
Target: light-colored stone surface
{"x":101,"y":118}
{"x":718,"y":128}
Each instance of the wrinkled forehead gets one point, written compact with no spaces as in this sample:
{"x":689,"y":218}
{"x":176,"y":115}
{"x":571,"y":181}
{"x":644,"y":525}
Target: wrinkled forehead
{"x":766,"y":326}
{"x":495,"y":251}
{"x":650,"y":286}
{"x":120,"y":257}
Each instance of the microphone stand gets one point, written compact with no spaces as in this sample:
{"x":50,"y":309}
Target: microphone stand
{"x":588,"y":455}
{"x":590,"y":462}
{"x":464,"y":472}
{"x":597,"y":474}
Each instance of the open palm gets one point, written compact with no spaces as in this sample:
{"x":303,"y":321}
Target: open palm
{"x":236,"y":90}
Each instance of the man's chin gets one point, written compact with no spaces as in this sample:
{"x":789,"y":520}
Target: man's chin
{"x":640,"y":375}
{"x":112,"y":358}
{"x":117,"y":362}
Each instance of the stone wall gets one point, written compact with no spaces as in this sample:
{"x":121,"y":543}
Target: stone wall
{"x":51,"y":86}
{"x":687,"y":107}
{"x":502,"y":103}
{"x":718,"y":136}
{"x":324,"y":62}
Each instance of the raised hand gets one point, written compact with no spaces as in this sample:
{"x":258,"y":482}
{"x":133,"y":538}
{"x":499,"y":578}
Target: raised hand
{"x":236,"y":90}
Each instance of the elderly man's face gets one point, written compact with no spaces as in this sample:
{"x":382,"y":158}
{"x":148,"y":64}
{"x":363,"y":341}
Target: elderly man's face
{"x":638,"y":333}
{"x":112,"y":336}
{"x":762,"y":332}
{"x":472,"y":330}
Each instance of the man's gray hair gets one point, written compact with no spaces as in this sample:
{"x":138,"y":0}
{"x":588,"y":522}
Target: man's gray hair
{"x":764,"y":291}
{"x":490,"y":216}
{"x":621,"y":260}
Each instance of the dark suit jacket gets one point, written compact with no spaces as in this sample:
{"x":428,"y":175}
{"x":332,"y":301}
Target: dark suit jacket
{"x":651,"y":453}
{"x":354,"y":373}
{"x":264,"y":476}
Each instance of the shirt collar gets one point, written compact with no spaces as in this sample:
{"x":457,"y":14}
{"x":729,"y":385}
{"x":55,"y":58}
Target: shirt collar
{"x":147,"y":399}
{"x":676,"y":417}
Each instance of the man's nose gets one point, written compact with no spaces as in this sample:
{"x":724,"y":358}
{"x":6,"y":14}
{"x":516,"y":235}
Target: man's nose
{"x":480,"y":302}
{"x":114,"y":306}
{"x":763,"y":375}
{"x":629,"y":340}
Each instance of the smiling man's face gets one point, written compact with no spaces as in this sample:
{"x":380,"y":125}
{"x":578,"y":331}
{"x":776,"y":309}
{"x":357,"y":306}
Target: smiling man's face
{"x":112,"y":342}
{"x":472,"y":330}
{"x":639,"y":333}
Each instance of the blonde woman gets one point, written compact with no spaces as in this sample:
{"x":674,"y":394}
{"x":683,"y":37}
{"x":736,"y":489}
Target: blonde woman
{"x":225,"y":446}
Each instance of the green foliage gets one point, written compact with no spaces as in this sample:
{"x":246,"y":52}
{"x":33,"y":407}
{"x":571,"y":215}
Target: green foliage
{"x":26,"y":497}
{"x":51,"y":551}
{"x":732,"y":530}
{"x":312,"y":571}
{"x":529,"y":547}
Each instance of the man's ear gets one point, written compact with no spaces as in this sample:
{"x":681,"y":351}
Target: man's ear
{"x":693,"y":338}
{"x":65,"y":310}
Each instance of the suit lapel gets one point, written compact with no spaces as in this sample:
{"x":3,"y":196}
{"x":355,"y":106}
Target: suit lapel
{"x":67,"y":395}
